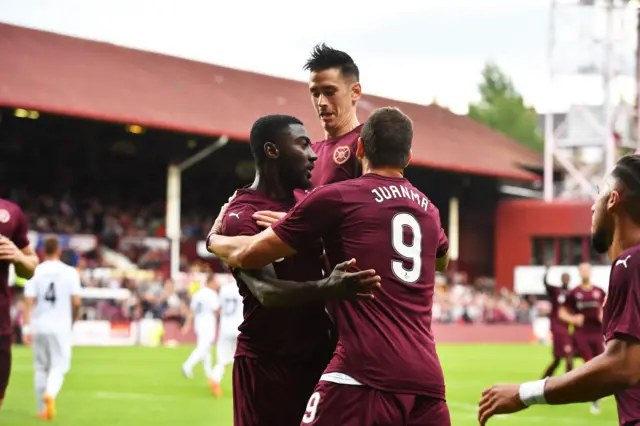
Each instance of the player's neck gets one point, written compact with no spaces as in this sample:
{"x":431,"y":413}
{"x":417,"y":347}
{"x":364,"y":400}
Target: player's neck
{"x":585,"y":286}
{"x":51,"y":258}
{"x":624,"y":237}
{"x":384,"y":171}
{"x":342,"y":130}
{"x":269,"y":185}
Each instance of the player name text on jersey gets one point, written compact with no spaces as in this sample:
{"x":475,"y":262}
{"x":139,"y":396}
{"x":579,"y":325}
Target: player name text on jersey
{"x":395,"y":191}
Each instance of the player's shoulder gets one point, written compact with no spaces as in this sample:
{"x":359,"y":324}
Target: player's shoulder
{"x":9,"y":205}
{"x":9,"y":209}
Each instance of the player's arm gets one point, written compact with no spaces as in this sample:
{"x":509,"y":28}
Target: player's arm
{"x":188,"y":321}
{"x":18,"y":250}
{"x":249,"y":252}
{"x":274,"y":293}
{"x":76,"y":295}
{"x":29,"y":303}
{"x":565,"y":315}
{"x":442,"y":263}
{"x":618,"y":368}
{"x":442,"y":253}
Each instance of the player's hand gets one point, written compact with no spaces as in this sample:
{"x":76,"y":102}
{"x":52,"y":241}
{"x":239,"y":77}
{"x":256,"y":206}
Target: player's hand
{"x":185,"y":330}
{"x":217,"y":224}
{"x":8,"y":250}
{"x":26,"y":338}
{"x":499,"y":399}
{"x":578,"y":320}
{"x":266,"y":218}
{"x":358,"y":285}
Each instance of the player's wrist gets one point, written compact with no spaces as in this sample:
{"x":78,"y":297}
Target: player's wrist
{"x":26,"y":329}
{"x":532,"y":393}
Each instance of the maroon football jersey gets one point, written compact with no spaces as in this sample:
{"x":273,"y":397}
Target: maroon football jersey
{"x":621,"y":319}
{"x":557,"y":297}
{"x":587,"y":302}
{"x":13,"y":225}
{"x":278,"y":332}
{"x":337,"y":159}
{"x":390,"y":226}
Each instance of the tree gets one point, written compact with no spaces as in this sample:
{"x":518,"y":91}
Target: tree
{"x":503,"y":109}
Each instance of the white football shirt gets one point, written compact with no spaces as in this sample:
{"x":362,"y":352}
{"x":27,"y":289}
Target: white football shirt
{"x":204,"y":304}
{"x":53,"y":285}
{"x":231,"y":315}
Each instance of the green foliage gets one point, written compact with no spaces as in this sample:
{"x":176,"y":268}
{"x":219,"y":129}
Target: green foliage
{"x":503,"y":109}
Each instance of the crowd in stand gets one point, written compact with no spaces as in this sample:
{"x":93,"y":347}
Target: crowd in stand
{"x":67,"y":215}
{"x":154,"y":295}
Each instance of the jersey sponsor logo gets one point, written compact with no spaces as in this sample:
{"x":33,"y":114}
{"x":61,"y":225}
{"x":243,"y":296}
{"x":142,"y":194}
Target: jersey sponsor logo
{"x":561,"y":299}
{"x":341,"y":154}
{"x":623,"y":261}
{"x":5,"y":216}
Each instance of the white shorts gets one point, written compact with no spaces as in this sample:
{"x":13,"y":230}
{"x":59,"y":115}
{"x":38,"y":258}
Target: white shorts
{"x":52,"y":351}
{"x":226,"y":348}
{"x":205,"y":336}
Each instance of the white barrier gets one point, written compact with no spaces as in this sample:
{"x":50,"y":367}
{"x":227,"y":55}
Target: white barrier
{"x":529,"y":279}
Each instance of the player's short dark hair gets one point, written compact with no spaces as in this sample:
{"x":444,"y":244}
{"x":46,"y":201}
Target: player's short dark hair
{"x":387,"y":136}
{"x":324,"y":57}
{"x":627,"y":172}
{"x":51,"y":245}
{"x":268,"y":129}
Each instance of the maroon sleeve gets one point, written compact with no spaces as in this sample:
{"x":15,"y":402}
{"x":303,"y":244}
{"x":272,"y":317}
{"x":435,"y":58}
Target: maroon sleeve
{"x":20,"y":237}
{"x":311,"y":218}
{"x":238,"y":221}
{"x":443,"y":241}
{"x":621,"y":314}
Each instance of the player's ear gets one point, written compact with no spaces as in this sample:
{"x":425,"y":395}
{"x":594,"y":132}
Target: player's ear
{"x":356,"y":91}
{"x":613,"y":200}
{"x":360,"y":148}
{"x":271,"y":150}
{"x":409,"y":157}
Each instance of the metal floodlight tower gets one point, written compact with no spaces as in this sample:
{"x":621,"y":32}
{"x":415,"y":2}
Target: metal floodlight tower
{"x":590,"y":42}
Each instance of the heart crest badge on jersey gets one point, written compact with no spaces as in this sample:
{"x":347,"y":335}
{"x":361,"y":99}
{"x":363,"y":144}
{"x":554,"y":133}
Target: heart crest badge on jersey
{"x":341,"y":154}
{"x":5,"y":216}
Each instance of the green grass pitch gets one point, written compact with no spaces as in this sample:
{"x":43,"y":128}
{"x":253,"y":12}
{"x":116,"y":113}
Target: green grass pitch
{"x":144,"y":386}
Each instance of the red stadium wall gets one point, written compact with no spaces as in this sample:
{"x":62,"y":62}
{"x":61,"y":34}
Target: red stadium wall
{"x":519,"y":221}
{"x":475,"y":240}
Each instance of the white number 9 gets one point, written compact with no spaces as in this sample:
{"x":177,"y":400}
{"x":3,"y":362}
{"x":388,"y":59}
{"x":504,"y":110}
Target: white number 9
{"x":312,"y":408}
{"x":408,"y":251}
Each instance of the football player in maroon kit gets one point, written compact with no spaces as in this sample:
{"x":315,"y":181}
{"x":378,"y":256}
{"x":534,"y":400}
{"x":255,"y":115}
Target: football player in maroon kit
{"x":14,"y":248}
{"x":334,"y":84}
{"x":385,"y":369}
{"x":615,"y":229}
{"x":583,"y":308}
{"x":562,"y":345}
{"x":284,"y":343}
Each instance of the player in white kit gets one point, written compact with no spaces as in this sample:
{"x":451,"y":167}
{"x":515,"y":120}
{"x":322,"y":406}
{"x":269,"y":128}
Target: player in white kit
{"x":52,"y":297}
{"x":231,"y":317}
{"x":205,"y":308}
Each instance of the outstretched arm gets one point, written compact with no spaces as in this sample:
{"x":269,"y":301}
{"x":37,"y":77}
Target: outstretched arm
{"x":272,"y":292}
{"x":249,"y":252}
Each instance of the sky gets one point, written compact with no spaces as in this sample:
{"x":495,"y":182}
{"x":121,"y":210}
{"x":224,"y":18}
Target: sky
{"x":410,"y":50}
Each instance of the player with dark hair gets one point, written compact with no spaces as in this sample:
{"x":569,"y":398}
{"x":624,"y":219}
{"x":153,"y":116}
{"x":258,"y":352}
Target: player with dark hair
{"x":14,"y":248}
{"x":615,"y":229}
{"x":282,"y":352}
{"x":334,"y":84}
{"x":385,"y":369}
{"x":562,"y":347}
{"x":583,"y":309}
